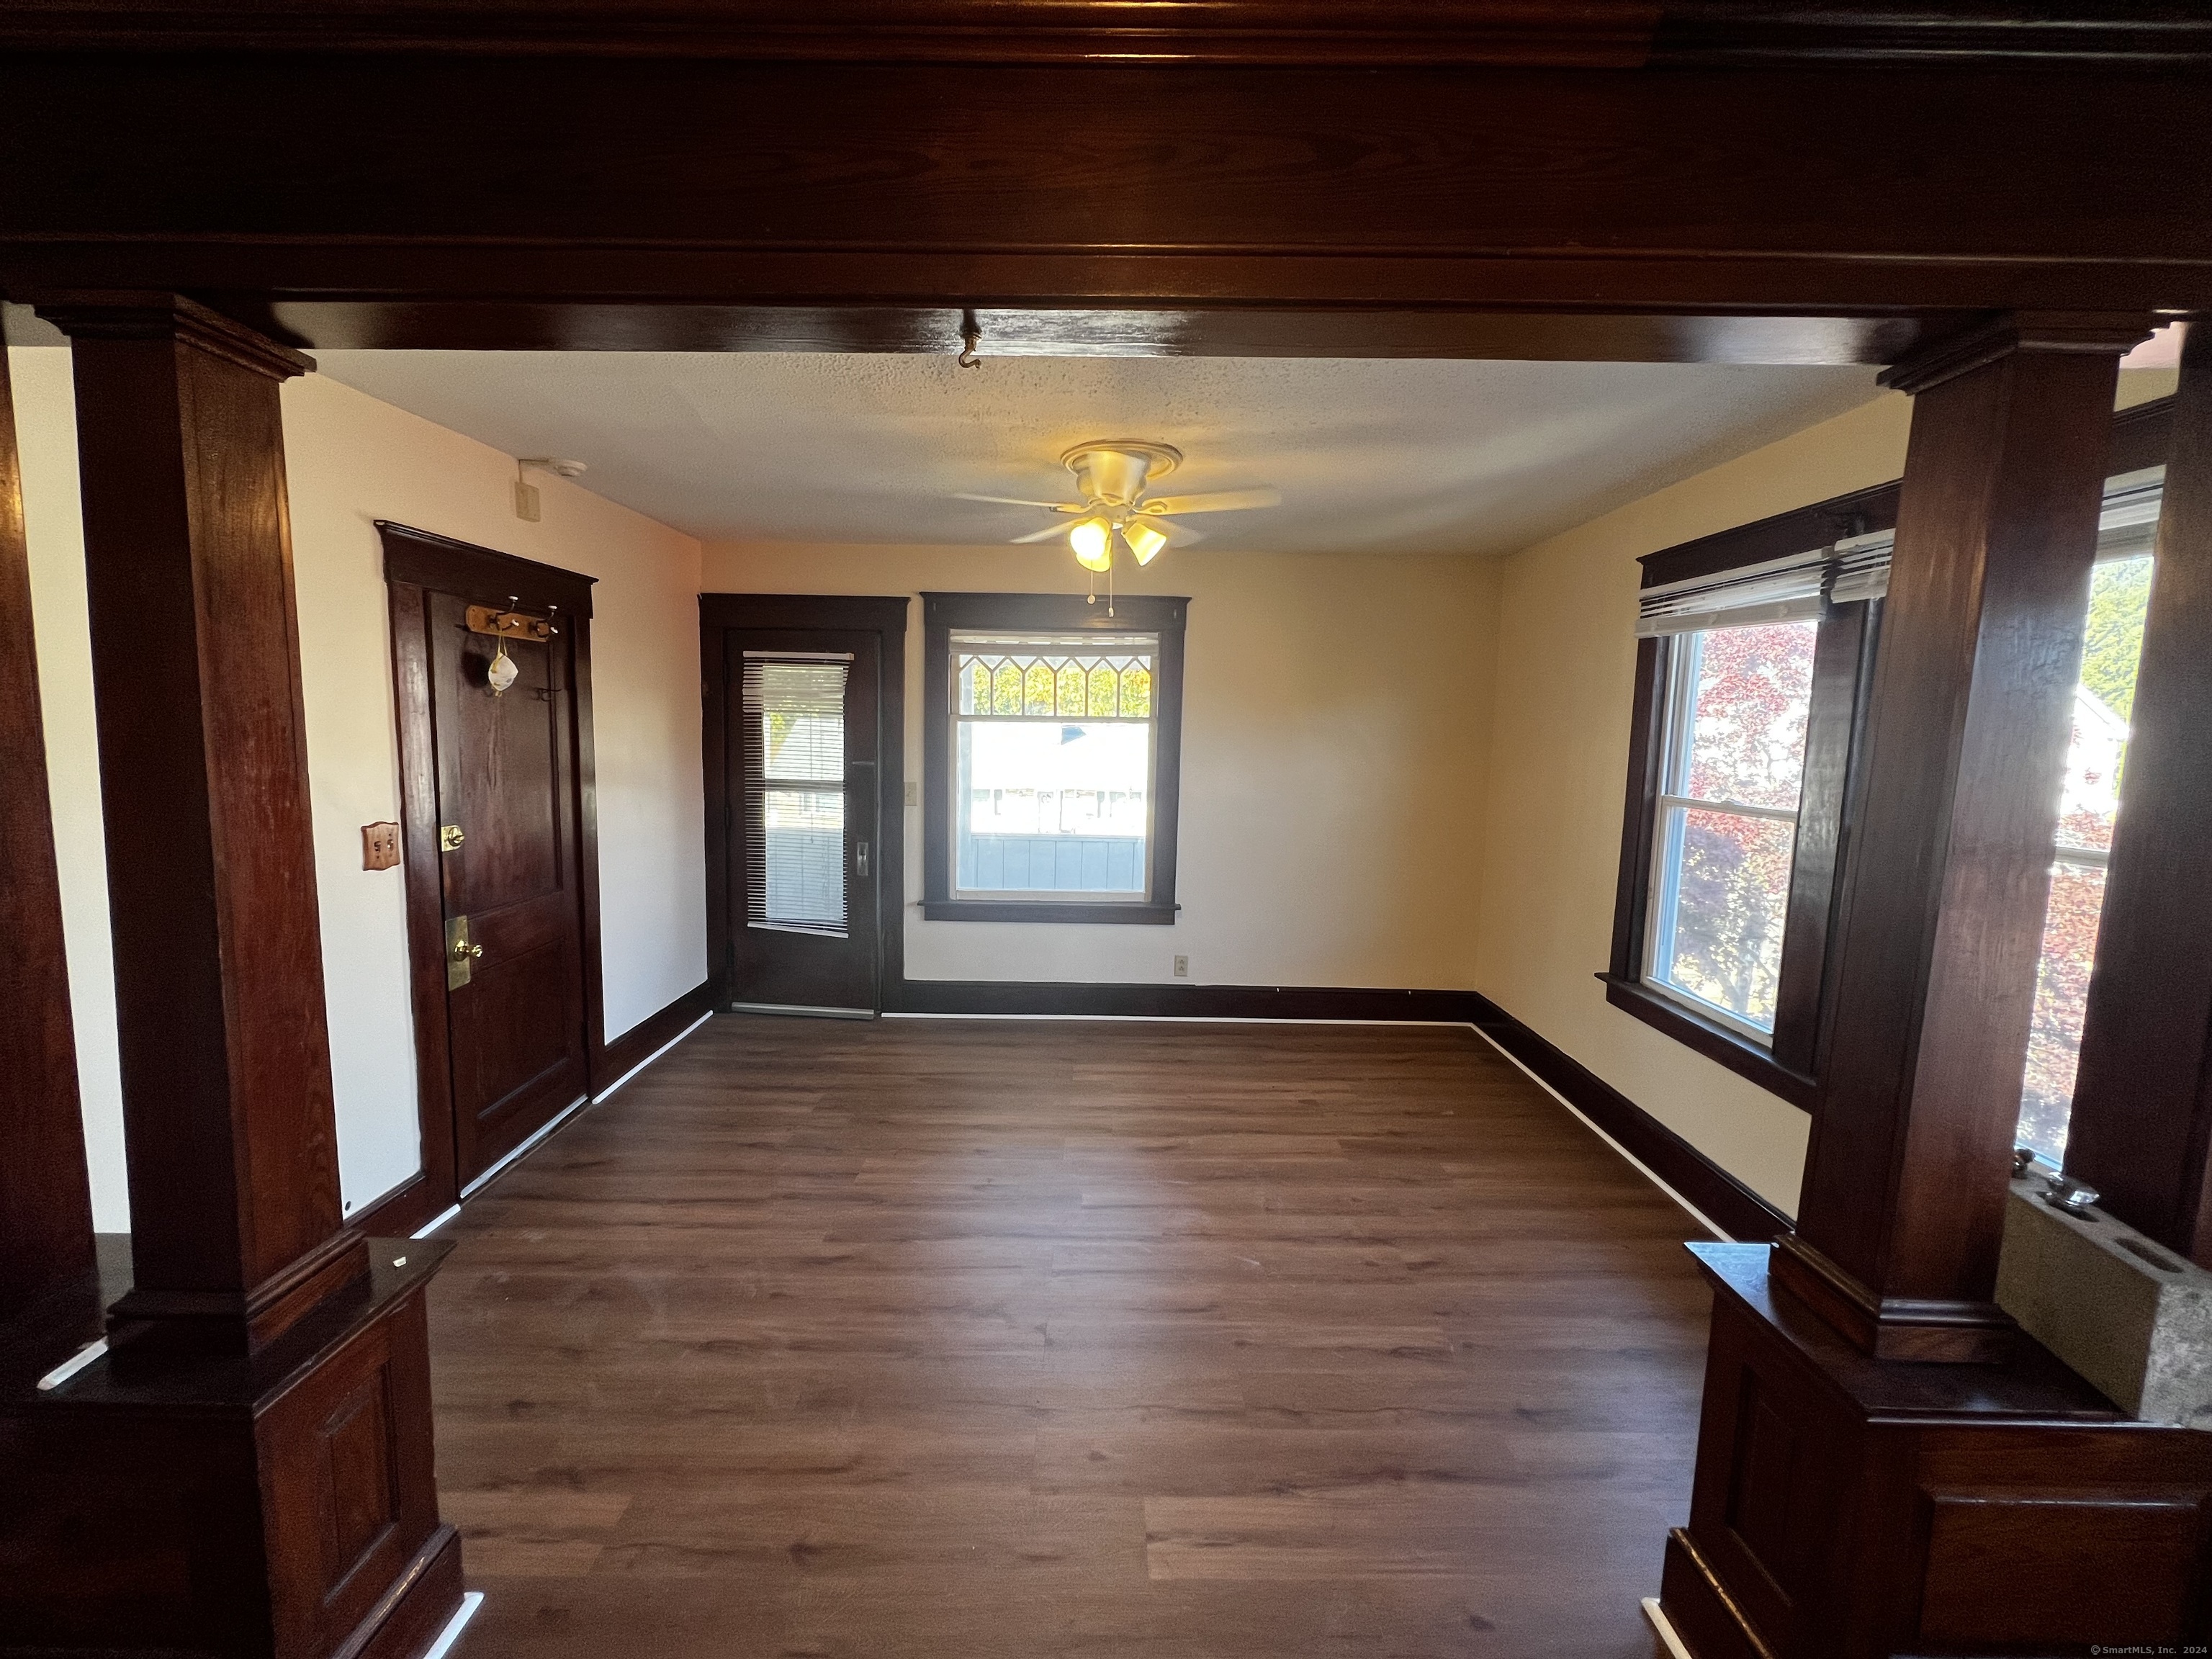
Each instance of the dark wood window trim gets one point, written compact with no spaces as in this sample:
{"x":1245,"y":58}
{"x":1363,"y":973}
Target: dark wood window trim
{"x":1842,"y":656}
{"x":1842,"y":670}
{"x":886,"y":617}
{"x":2142,"y":436}
{"x":1055,"y":613}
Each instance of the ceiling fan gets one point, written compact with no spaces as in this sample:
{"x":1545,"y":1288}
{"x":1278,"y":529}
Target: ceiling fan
{"x":1112,"y":478}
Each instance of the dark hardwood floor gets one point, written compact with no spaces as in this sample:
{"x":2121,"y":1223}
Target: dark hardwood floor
{"x":918,"y":1339}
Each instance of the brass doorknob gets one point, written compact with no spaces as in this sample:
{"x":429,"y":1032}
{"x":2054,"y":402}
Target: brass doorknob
{"x":463,"y":950}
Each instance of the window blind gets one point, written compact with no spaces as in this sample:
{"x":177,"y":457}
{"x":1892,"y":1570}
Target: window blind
{"x":793,"y":760}
{"x":1801,"y":586}
{"x":1791,"y":589}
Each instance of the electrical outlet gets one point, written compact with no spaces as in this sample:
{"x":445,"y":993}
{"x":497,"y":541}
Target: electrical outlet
{"x":1182,"y":967}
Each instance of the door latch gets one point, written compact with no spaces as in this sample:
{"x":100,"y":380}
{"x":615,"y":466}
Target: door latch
{"x":861,"y":857}
{"x":460,"y":955}
{"x":450,"y":836}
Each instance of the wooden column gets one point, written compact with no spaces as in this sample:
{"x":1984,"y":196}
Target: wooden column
{"x":1849,"y":1501}
{"x":45,"y":1201}
{"x":235,"y":1215}
{"x":2142,"y":1128}
{"x":1941,"y":916}
{"x":249,"y":1471}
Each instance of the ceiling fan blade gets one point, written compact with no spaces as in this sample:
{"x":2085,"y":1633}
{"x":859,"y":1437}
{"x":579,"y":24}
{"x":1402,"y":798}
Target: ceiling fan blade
{"x":1015,"y":501}
{"x":1043,"y":535}
{"x":1220,"y":501}
{"x":1179,"y":535}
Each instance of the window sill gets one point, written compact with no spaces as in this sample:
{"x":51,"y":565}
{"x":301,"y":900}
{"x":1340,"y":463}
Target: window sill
{"x":1712,"y":1040}
{"x":1154,"y":916}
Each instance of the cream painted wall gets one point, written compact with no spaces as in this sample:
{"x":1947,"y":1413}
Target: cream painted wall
{"x":1335,"y":711}
{"x":352,"y":460}
{"x":46,"y":435}
{"x":1558,"y":765}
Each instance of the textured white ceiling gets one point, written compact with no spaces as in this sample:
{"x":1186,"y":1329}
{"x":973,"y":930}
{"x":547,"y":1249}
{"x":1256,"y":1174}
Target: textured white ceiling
{"x":1371,"y":456}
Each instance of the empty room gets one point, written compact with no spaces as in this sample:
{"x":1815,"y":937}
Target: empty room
{"x":1199,"y":831}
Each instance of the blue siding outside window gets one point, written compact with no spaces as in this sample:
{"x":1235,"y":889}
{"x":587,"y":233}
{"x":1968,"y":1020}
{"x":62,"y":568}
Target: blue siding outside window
{"x":1055,"y":864}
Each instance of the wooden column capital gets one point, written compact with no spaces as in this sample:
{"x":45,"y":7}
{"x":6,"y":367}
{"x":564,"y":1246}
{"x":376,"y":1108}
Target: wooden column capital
{"x":230,"y":1128}
{"x":2095,"y":334}
{"x":1941,"y":911}
{"x":131,"y":316}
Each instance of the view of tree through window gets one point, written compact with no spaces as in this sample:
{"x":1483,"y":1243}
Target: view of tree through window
{"x":1733,"y":765}
{"x":2104,"y":701}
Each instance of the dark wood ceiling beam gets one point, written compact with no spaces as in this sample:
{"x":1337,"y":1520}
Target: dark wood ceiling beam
{"x":1102,"y":332}
{"x":373,"y":196}
{"x":1579,"y":34}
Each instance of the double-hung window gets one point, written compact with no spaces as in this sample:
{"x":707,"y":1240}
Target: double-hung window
{"x":1732,"y":771}
{"x":1754,"y":649}
{"x":1050,"y":763}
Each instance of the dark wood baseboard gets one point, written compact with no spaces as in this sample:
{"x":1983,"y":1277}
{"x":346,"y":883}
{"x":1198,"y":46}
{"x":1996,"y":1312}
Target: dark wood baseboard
{"x":977,"y":996}
{"x":616,"y":1059}
{"x":400,"y":1213}
{"x":1723,"y":1200}
{"x":403,"y":1210}
{"x":1720,"y":1197}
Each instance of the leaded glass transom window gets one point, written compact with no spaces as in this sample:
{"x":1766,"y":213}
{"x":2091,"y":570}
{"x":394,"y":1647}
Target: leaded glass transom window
{"x":1053,"y":792}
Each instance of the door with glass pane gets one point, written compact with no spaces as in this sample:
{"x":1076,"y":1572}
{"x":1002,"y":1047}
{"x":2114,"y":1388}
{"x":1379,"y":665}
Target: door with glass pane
{"x":802,"y":733}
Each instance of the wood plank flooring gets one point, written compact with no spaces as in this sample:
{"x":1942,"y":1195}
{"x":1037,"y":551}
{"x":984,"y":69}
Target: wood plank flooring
{"x":922,"y":1339}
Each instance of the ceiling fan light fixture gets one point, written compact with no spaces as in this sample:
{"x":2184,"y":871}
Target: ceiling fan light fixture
{"x":1093,"y":542}
{"x":1144,"y":540}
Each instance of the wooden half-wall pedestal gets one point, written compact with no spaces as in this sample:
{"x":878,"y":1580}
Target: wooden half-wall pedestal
{"x":1847,"y":1505}
{"x":281,"y":1503}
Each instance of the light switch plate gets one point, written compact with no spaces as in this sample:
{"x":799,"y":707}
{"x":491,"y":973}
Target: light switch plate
{"x":380,"y":845}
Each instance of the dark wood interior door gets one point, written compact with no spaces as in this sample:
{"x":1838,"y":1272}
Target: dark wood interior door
{"x":510,"y":869}
{"x":803,"y":708}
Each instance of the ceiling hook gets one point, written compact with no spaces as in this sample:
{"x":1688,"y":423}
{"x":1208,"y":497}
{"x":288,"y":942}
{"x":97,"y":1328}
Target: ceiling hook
{"x":971,"y":335}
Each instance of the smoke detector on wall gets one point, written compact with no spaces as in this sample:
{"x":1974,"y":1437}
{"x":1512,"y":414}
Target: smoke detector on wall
{"x":527,"y":507}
